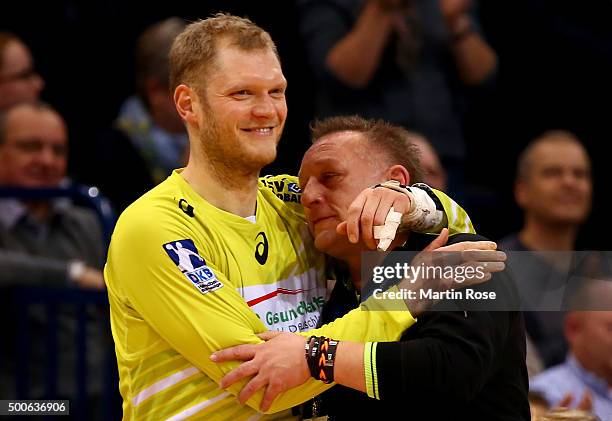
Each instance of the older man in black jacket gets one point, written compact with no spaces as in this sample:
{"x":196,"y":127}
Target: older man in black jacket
{"x":465,"y":359}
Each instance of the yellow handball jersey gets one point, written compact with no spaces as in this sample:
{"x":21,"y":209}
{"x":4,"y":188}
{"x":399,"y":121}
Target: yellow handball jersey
{"x":186,"y":279}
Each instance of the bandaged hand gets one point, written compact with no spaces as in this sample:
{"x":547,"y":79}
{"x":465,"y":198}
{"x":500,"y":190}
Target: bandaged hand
{"x":378,"y":212}
{"x":370,"y":209}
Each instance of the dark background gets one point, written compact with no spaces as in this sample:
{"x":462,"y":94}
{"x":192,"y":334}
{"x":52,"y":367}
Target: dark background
{"x":555,"y":69}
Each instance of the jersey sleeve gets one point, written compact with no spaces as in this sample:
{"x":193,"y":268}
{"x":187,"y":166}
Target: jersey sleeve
{"x":199,"y":311}
{"x":455,"y":217}
{"x":373,"y":318}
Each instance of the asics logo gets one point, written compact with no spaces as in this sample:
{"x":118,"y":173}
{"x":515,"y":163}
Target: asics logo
{"x":261,"y":249}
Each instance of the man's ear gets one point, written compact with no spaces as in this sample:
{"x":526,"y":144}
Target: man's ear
{"x":185,"y":100}
{"x":398,"y":173}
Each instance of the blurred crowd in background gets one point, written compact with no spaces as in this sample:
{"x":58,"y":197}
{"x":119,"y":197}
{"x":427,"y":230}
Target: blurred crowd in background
{"x":508,"y":102}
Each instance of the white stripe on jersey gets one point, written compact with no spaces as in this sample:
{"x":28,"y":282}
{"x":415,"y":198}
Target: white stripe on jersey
{"x":163,"y":384}
{"x":197,"y":408}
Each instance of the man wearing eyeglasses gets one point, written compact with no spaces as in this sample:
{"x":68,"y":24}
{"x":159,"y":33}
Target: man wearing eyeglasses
{"x":19,"y":82}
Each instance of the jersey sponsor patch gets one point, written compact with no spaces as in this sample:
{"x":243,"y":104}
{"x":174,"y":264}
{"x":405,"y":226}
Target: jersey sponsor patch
{"x":292,"y":305}
{"x":185,"y":256}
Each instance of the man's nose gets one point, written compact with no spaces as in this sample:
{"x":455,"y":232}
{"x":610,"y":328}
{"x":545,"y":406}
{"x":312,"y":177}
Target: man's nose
{"x":47,"y":156}
{"x":312,"y":193}
{"x":264,"y":107}
{"x":570,"y":178}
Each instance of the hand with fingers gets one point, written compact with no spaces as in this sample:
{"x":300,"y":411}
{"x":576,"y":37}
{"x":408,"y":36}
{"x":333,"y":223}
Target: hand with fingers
{"x":276,"y":365}
{"x":369,"y":209}
{"x":476,"y":254}
{"x":439,"y":260}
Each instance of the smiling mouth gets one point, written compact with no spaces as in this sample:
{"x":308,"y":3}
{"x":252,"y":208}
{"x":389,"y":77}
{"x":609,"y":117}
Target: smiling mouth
{"x":260,"y":130}
{"x":570,"y":199}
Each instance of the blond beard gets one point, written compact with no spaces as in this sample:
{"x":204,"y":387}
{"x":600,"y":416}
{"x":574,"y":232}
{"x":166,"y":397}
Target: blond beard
{"x":229,"y":168}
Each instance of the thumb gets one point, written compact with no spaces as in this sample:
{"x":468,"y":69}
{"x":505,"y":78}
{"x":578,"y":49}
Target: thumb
{"x":342,"y":228}
{"x":269,"y":334}
{"x":439,"y":241}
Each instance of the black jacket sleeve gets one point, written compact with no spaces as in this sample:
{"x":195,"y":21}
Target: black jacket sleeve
{"x":461,"y":353}
{"x":453,"y":356}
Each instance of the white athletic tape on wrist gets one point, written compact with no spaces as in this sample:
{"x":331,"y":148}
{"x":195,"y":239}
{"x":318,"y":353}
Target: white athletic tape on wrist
{"x":423,"y":215}
{"x":386,"y":233}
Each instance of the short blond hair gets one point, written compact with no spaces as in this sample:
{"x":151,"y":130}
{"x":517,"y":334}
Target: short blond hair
{"x":194,"y":50}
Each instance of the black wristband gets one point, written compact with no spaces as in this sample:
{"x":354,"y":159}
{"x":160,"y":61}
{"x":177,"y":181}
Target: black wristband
{"x":311,"y":351}
{"x":320,"y":355}
{"x":327,"y":360}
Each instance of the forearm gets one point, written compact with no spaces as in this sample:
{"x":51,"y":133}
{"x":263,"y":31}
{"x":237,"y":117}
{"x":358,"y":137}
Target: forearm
{"x":373,"y":320}
{"x":349,"y":365}
{"x":451,"y":353}
{"x":431,"y":363}
{"x":355,"y":58}
{"x":348,"y":370}
{"x":282,"y":364}
{"x":474,"y":58}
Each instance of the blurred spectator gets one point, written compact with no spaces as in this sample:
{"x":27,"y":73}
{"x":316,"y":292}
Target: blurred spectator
{"x":46,"y":242}
{"x":434,"y":173}
{"x":19,"y":82}
{"x":584,"y":380}
{"x":42,"y":241}
{"x":149,"y":139}
{"x":553,"y":188}
{"x":405,"y":61}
